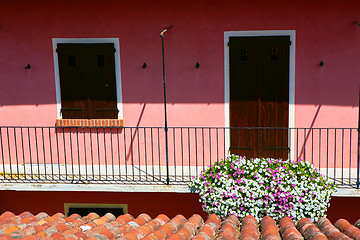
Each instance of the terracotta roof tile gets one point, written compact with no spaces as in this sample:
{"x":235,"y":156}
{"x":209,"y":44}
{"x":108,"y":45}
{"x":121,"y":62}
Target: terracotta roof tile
{"x":288,"y":229}
{"x":125,"y":227}
{"x":309,"y":230}
{"x":209,"y":229}
{"x":229,"y":229}
{"x":249,"y":228}
{"x":330,"y":230}
{"x":350,"y":230}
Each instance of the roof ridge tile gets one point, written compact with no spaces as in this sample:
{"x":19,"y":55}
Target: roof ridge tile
{"x":58,"y":216}
{"x":357,"y":223}
{"x":309,"y":230}
{"x":350,"y":230}
{"x":125,"y":218}
{"x":25,"y":214}
{"x":6,"y":215}
{"x":110,"y":216}
{"x":41,"y":216}
{"x":144,"y":217}
{"x":163,"y":218}
{"x":330,"y":230}
{"x":209,"y":229}
{"x":168,"y":228}
{"x":249,"y":228}
{"x":131,"y":225}
{"x":269,"y":229}
{"x":288,"y":229}
{"x":137,"y":233}
{"x":229,"y":228}
{"x":147,"y":228}
{"x":188,"y":229}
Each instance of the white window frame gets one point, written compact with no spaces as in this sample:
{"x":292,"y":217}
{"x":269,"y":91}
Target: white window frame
{"x":67,"y":206}
{"x":116,"y":43}
{"x":292,"y":34}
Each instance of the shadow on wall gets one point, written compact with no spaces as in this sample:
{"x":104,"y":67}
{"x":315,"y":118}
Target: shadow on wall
{"x":301,"y":154}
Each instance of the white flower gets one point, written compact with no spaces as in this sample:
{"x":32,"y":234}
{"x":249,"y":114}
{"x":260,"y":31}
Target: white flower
{"x":270,"y":186}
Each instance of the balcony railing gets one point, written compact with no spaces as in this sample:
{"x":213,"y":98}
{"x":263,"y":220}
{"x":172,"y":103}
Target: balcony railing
{"x":141,"y":154}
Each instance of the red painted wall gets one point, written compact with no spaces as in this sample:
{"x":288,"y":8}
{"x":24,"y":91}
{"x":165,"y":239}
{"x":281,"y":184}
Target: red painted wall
{"x":153,"y":204}
{"x":344,"y":207}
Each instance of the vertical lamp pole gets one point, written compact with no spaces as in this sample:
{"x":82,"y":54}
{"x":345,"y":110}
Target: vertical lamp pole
{"x":358,"y":148}
{"x":166,"y":127}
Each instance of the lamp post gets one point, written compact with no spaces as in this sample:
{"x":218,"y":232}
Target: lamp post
{"x":166,"y":127}
{"x":358,"y":149}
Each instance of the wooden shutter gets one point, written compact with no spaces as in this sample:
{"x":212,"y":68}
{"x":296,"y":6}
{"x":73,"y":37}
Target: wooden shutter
{"x":87,"y":80}
{"x":73,"y":73}
{"x":102,"y":83}
{"x":274,"y":96}
{"x":243,"y":95}
{"x":259,"y":95}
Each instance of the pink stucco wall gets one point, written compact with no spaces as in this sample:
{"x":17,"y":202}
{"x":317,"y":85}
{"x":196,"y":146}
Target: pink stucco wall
{"x":325,"y":31}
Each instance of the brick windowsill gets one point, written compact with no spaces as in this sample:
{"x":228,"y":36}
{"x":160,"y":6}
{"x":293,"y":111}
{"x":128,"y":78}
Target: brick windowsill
{"x":89,"y":123}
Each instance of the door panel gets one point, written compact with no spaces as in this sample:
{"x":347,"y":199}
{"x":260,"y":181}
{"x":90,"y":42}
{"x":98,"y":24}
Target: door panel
{"x":259,"y":95}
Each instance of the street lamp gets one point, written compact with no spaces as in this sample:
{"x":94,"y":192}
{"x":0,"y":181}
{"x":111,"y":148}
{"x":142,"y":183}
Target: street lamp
{"x":166,"y":127}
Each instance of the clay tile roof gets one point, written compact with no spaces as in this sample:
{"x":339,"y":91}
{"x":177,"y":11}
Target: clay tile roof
{"x":125,"y":227}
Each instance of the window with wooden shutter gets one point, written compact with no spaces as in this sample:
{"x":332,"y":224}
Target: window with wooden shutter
{"x":87,"y":80}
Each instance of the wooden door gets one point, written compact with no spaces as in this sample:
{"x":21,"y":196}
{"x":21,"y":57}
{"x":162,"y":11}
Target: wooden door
{"x":259,"y":96}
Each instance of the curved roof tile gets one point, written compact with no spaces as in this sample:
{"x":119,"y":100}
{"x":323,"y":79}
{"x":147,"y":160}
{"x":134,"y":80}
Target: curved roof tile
{"x":125,"y":227}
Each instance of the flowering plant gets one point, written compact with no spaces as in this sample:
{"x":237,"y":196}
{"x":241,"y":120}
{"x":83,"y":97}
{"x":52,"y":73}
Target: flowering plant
{"x":260,"y":187}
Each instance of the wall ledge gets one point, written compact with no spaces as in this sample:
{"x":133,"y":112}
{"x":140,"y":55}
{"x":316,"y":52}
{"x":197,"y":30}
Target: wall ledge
{"x":347,"y":192}
{"x":341,"y":192}
{"x":89,"y":123}
{"x":94,"y":187}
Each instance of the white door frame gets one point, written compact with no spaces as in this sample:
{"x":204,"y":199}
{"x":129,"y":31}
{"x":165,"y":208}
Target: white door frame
{"x":291,"y":34}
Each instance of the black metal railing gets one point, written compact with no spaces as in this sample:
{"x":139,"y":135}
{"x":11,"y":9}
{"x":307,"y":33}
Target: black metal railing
{"x":138,"y":154}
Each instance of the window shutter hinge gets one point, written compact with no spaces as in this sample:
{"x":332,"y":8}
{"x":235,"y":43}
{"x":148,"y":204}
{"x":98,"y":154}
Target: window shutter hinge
{"x":228,"y":43}
{"x":290,"y":43}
